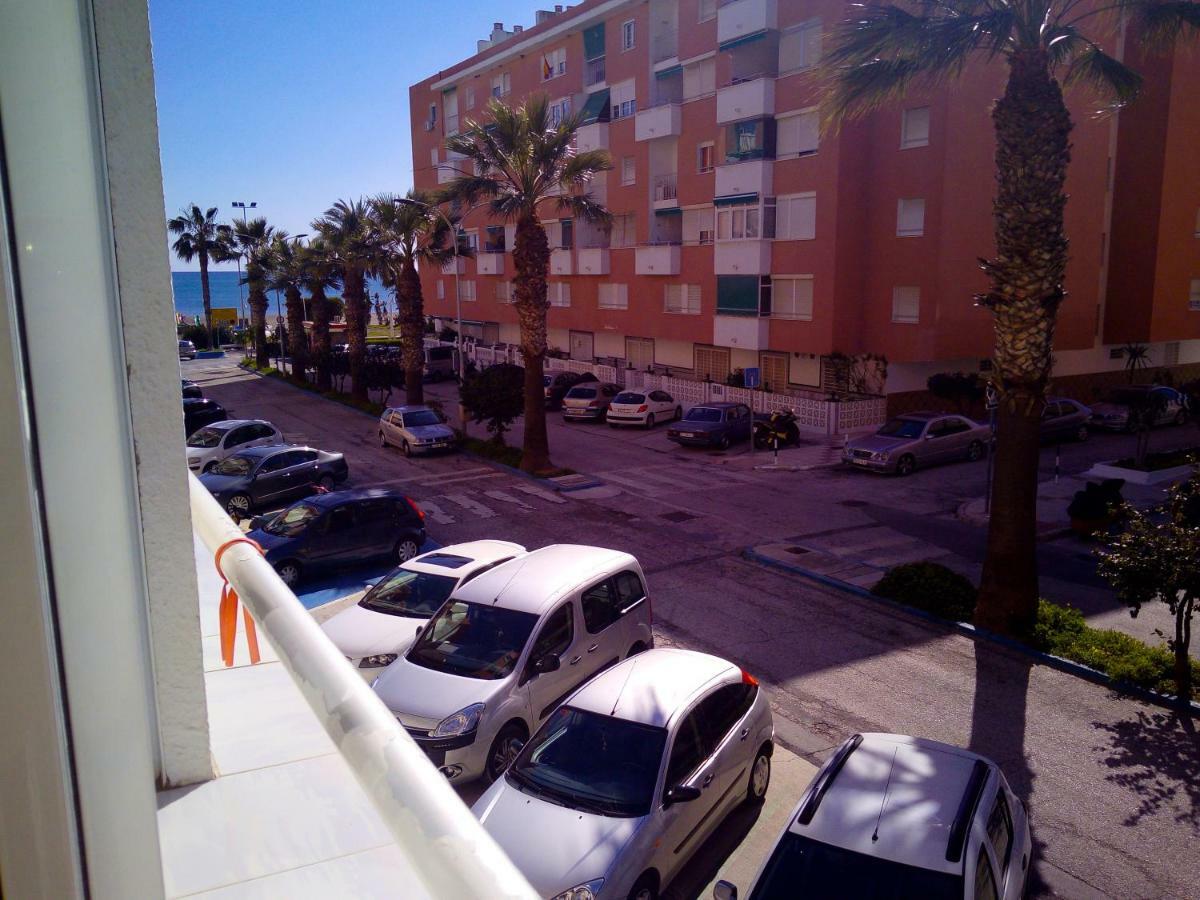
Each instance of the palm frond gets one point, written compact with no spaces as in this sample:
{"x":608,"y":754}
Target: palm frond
{"x":583,"y":166}
{"x":1162,"y":22}
{"x":586,"y":207}
{"x":1105,"y":74}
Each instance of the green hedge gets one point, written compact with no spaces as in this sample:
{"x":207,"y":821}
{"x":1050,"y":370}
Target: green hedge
{"x":931,"y":587}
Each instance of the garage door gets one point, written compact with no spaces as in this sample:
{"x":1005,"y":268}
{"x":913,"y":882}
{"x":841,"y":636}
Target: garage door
{"x":774,"y":371}
{"x":712,"y":363}
{"x":582,"y":346}
{"x":639,"y":352}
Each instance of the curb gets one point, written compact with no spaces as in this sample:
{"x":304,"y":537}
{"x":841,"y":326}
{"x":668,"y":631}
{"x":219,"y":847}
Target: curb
{"x":966,"y":629}
{"x":978,"y":521}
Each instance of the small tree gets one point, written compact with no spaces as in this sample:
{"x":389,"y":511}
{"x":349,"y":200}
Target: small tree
{"x":960,"y":388}
{"x":1137,"y":358}
{"x":1157,"y":559}
{"x":495,"y":396}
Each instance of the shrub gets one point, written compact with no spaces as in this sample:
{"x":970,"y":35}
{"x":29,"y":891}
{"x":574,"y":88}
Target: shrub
{"x":963,"y":389}
{"x":931,"y":587}
{"x":495,"y":396}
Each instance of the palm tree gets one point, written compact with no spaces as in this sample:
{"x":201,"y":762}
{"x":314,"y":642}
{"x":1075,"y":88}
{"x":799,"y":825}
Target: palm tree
{"x":345,"y":228}
{"x":523,"y":161}
{"x":409,"y":232}
{"x":885,"y":50}
{"x":202,"y":237}
{"x":317,"y":274}
{"x":253,"y":240}
{"x":287,"y":276}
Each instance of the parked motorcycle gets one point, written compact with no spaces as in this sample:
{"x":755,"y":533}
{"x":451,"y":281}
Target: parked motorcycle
{"x":778,"y":429}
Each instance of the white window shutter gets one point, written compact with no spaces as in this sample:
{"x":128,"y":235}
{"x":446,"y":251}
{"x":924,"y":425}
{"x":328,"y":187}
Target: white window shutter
{"x":910,"y":217}
{"x":808,"y":127}
{"x":906,"y":305}
{"x":510,"y":237}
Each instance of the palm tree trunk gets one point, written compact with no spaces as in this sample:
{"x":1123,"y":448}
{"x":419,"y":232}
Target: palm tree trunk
{"x":1033,"y":131}
{"x":321,"y":342}
{"x":296,"y":339}
{"x":357,"y":314}
{"x":531,"y":259}
{"x":1183,"y":640}
{"x":412,"y":333}
{"x":207,"y":295}
{"x":258,"y":322}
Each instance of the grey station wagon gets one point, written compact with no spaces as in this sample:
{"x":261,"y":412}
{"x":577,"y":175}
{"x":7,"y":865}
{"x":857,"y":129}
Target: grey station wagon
{"x":918,"y":439}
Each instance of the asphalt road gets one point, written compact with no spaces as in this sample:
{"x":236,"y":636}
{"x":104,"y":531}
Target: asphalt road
{"x":1111,"y":782}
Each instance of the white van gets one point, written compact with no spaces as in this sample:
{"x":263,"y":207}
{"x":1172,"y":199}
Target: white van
{"x":441,"y":363}
{"x":508,"y":647}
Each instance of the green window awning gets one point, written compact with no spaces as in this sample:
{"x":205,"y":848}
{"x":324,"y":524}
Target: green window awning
{"x":743,"y":41}
{"x":667,"y":73}
{"x":450,"y":90}
{"x":735,"y":199}
{"x":737,"y":295}
{"x":669,"y":211}
{"x":596,"y":109}
{"x":593,"y":42}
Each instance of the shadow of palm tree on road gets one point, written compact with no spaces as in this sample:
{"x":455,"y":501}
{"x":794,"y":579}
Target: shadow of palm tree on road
{"x":1156,"y":757}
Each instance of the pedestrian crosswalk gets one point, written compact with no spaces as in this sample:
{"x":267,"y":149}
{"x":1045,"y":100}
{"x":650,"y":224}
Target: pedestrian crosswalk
{"x":672,"y":479}
{"x":474,"y":493}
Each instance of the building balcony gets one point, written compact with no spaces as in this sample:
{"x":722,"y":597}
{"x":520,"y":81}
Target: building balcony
{"x":748,"y":99}
{"x":455,"y":266}
{"x":657,"y":259}
{"x":742,"y":332}
{"x":657,"y":122}
{"x":665,"y":191}
{"x":593,"y":261}
{"x":562,"y":261}
{"x":742,"y":257}
{"x":742,"y":18}
{"x":754,"y":176}
{"x":665,"y":45}
{"x":490,"y":262}
{"x":592,"y":137}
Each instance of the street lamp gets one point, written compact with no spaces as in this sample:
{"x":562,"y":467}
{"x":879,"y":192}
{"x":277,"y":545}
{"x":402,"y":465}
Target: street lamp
{"x":243,"y":206}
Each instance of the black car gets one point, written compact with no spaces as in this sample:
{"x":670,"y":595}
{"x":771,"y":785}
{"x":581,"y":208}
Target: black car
{"x":269,"y":477}
{"x":338,"y":530}
{"x":556,"y":386}
{"x":198,"y":412}
{"x":191,"y":390}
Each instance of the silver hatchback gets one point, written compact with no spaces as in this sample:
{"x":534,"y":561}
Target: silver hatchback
{"x":918,"y":439}
{"x":589,"y":401}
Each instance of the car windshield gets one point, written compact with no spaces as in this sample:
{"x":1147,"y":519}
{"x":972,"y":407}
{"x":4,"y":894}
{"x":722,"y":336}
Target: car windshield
{"x":703,"y":414}
{"x":205,"y":438}
{"x":629,"y":398}
{"x":292,"y":520}
{"x":421,"y":417}
{"x":473,"y":640}
{"x":407,"y":593}
{"x":234,"y":465}
{"x":903,"y":428}
{"x":801,"y":867}
{"x":593,"y":763}
{"x":581,"y":393}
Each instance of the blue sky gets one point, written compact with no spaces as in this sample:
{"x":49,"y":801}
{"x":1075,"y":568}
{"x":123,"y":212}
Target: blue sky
{"x":296,"y":104}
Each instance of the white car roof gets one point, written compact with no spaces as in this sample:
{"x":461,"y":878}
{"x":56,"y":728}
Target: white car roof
{"x":480,"y":553}
{"x":539,"y":579}
{"x":226,"y":424}
{"x":924,"y":782}
{"x":653,"y":686}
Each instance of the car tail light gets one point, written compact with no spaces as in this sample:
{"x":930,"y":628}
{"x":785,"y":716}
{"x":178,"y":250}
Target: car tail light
{"x":420,"y":512}
{"x":749,"y":679}
{"x":643,"y":408}
{"x":594,"y":404}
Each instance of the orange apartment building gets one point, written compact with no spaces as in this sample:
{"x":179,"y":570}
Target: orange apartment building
{"x":743,"y":236}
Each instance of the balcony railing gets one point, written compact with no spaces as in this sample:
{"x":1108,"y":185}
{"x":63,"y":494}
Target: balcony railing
{"x":451,"y":125}
{"x":593,"y":71}
{"x":442,"y":841}
{"x":665,"y":187}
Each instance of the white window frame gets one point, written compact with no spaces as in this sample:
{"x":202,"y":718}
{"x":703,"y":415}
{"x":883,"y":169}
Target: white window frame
{"x":619,"y":298}
{"x":626,"y":234}
{"x":808,"y":36}
{"x":788,"y":230}
{"x":711,"y":146}
{"x":699,"y":78}
{"x":623,"y":99}
{"x":469,"y":97}
{"x":787,"y":287}
{"x":908,"y":142}
{"x":910,"y":217}
{"x":558,"y":293}
{"x":902,"y":295}
{"x":501,"y":85}
{"x":560,"y":109}
{"x":628,"y":34}
{"x":628,"y":170}
{"x":687,"y":296}
{"x":504,"y":292}
{"x":556,"y":61}
{"x":699,"y":226}
{"x":466,"y":290}
{"x":742,"y":222}
{"x":807,"y":123}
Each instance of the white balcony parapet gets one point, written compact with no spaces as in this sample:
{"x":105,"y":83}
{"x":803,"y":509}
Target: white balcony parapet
{"x":561,"y":261}
{"x":592,"y":137}
{"x":593,"y":261}
{"x":657,"y":259}
{"x":754,"y":176}
{"x":443,"y":842}
{"x":490,"y":263}
{"x":748,"y":99}
{"x":455,"y":262}
{"x":746,"y":257}
{"x":742,"y":18}
{"x":742,"y":332}
{"x":660,"y":121}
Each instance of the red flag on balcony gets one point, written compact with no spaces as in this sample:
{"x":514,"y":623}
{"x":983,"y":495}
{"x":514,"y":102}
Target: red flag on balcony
{"x":547,"y":69}
{"x":229,"y":609}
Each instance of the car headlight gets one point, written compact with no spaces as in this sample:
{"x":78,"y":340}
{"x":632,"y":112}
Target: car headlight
{"x":379,"y":659}
{"x":882,"y":455}
{"x":461,"y":722}
{"x":586,"y":891}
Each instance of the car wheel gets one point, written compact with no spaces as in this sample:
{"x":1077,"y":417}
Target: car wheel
{"x":760,"y":776}
{"x":238,"y":507}
{"x":406,"y":449}
{"x":382,"y":440}
{"x":723,"y":443}
{"x":326,"y":482}
{"x":975,"y":450}
{"x":1083,"y":433}
{"x":406,"y":549}
{"x":650,"y":420}
{"x":645,"y":888}
{"x":209,"y":467}
{"x":906,"y":465}
{"x":504,"y":750}
{"x":288,"y":572}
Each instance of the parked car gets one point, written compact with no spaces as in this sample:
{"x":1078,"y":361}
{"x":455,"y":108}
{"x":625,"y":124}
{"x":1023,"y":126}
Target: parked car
{"x":415,"y":429}
{"x":383,"y":624}
{"x":712,"y":425}
{"x":505,"y":650}
{"x":1115,"y":413}
{"x":631,"y":775}
{"x":191,"y":390}
{"x":335,"y":530}
{"x":212,"y":443}
{"x":918,"y":439}
{"x":556,"y":386}
{"x":643,"y":408}
{"x":198,"y":412}
{"x":589,"y":402}
{"x":441,"y":363}
{"x":187,"y":350}
{"x":896,"y":816}
{"x":271,"y":477}
{"x":1064,"y":419}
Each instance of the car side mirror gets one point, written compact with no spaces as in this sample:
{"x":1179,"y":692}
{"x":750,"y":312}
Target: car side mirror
{"x":682,"y":794}
{"x":417,"y":633}
{"x":724,"y":890}
{"x":548,"y":663}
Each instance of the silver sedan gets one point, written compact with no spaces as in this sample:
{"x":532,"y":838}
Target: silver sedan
{"x":918,"y":439}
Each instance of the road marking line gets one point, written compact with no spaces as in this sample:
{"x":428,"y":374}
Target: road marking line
{"x":508,"y":498}
{"x":435,"y":512}
{"x":470,"y":505}
{"x":424,"y":483}
{"x":536,"y":491}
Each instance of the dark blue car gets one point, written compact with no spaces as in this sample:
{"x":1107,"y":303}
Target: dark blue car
{"x":712,"y":425}
{"x":337,"y":530}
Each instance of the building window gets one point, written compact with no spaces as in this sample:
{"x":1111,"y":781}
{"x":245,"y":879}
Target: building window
{"x":554,"y":63}
{"x":501,"y":85}
{"x":683,"y":299}
{"x":466,"y":290}
{"x":798,"y":133}
{"x":432,"y":116}
{"x":504,"y":292}
{"x":796,"y":217}
{"x":560,"y":110}
{"x":628,"y":34}
{"x":698,"y":226}
{"x":744,"y":222}
{"x":433,"y":155}
{"x":708,"y":10}
{"x":614,"y":296}
{"x":774,"y":368}
{"x":711,"y":363}
{"x":752,"y":139}
{"x":441,"y":290}
{"x":623,"y":99}
{"x":1194,"y":296}
{"x":914,"y":127}
{"x":800,"y":46}
{"x":494,"y":241}
{"x":705,"y":157}
{"x":700,"y":78}
{"x":624,"y":229}
{"x":628,"y":170}
{"x":469,"y":97}
{"x":792,"y":297}
{"x":910,"y":217}
{"x":743,"y":295}
{"x":559,"y":293}
{"x":906,"y":305}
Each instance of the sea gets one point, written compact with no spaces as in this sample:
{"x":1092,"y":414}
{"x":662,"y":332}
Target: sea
{"x":225,"y":291}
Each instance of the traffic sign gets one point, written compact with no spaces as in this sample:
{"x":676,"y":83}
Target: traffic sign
{"x":752,"y":377}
